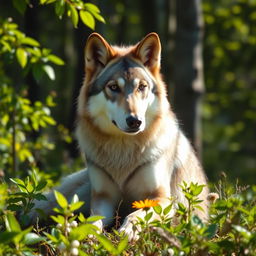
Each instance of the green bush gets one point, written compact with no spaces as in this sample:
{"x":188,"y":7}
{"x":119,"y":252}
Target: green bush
{"x":230,"y":230}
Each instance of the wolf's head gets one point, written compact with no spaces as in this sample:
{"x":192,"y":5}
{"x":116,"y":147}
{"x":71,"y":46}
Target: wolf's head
{"x":121,"y":91}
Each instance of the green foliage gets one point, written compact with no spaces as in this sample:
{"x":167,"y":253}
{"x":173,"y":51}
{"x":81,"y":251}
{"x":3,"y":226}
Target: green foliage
{"x":26,"y":50}
{"x":19,"y":117}
{"x":29,"y":190}
{"x":73,"y":233}
{"x":74,"y":9}
{"x":229,"y":108}
{"x":230,"y":230}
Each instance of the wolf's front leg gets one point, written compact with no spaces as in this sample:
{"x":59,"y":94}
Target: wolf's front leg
{"x":104,"y":197}
{"x":155,"y":186}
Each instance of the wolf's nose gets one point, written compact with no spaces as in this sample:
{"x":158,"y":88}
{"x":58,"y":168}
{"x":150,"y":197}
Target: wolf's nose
{"x":133,"y":122}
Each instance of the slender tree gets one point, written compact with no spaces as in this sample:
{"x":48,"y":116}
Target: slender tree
{"x":188,"y":68}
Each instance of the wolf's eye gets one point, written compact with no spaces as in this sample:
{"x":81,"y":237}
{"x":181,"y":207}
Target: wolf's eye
{"x":141,"y":87}
{"x":114,"y":88}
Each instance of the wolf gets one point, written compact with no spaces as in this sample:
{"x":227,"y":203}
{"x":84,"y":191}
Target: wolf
{"x":130,"y":136}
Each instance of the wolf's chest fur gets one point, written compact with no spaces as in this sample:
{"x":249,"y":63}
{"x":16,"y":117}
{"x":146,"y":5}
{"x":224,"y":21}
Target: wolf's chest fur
{"x":120,"y":156}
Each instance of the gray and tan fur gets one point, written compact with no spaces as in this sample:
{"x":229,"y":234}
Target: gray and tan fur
{"x":129,"y":134}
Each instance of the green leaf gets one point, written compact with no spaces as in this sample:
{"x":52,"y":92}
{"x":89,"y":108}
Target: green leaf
{"x":59,"y":219}
{"x":41,"y":185}
{"x":60,"y":8}
{"x":40,"y":197}
{"x":14,"y":207}
{"x":75,"y":199}
{"x":94,"y":218}
{"x":122,"y":245}
{"x":157,"y":209}
{"x":81,"y":253}
{"x":168,"y":209}
{"x":99,"y":17}
{"x":7,"y":236}
{"x":21,"y":56}
{"x":243,"y":231}
{"x":55,"y":59}
{"x":211,"y":231}
{"x":196,"y":221}
{"x":197,"y":190}
{"x":32,"y":238}
{"x":107,"y":244}
{"x":87,"y":19}
{"x":20,"y":184}
{"x":47,"y":1}
{"x":49,"y":120}
{"x":76,"y":206}
{"x":61,"y":200}
{"x":11,"y":223}
{"x":82,"y":231}
{"x":74,"y":15}
{"x":92,"y":7}
{"x":49,"y":71}
{"x":30,"y":41}
{"x":81,"y":217}
{"x":148,"y":216}
{"x":52,"y":238}
{"x":17,"y":181}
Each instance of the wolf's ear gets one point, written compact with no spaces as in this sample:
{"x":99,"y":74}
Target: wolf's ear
{"x":148,"y":51}
{"x":97,"y":52}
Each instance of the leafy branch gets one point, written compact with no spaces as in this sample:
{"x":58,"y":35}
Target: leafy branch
{"x":74,"y":9}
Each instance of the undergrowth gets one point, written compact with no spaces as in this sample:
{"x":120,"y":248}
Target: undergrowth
{"x":231,"y":229}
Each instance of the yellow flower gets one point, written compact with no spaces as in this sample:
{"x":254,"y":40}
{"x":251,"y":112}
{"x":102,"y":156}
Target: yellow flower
{"x":147,"y":203}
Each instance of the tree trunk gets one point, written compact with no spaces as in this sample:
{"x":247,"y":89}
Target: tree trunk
{"x":188,"y":69}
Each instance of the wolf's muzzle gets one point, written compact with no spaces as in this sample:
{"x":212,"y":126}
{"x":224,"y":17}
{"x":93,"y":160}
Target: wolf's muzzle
{"x":133,"y":122}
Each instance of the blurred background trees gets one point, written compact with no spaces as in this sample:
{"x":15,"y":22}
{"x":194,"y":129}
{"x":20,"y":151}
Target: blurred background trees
{"x":208,"y":50}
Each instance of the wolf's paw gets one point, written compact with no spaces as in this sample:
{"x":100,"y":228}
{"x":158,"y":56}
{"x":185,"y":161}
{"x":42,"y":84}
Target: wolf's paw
{"x":130,"y":230}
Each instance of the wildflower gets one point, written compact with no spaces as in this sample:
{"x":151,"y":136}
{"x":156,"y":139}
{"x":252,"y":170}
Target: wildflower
{"x":147,"y":203}
{"x":75,"y":243}
{"x":212,"y":197}
{"x":170,"y":252}
{"x":59,"y":226}
{"x":74,"y":224}
{"x":74,"y":251}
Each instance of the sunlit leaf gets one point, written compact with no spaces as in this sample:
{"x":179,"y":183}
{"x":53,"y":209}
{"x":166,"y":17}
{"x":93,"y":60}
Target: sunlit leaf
{"x":92,"y":7}
{"x":122,"y":245}
{"x":94,"y":218}
{"x":99,"y":17}
{"x":11,"y":223}
{"x":76,"y":206}
{"x":107,"y":244}
{"x":30,"y":41}
{"x":87,"y":19}
{"x":32,"y":238}
{"x":21,"y":55}
{"x":60,"y":8}
{"x":49,"y":71}
{"x":74,"y":15}
{"x":61,"y":200}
